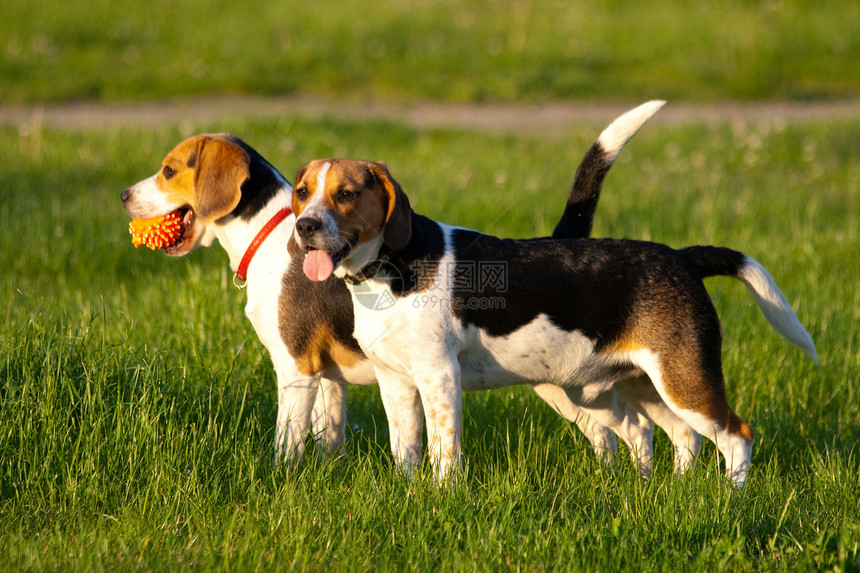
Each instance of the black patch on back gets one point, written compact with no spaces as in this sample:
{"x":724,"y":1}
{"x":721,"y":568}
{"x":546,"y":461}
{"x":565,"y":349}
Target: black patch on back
{"x":594,"y":286}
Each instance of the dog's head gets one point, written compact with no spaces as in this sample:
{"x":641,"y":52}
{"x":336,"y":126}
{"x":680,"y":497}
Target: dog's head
{"x":346,"y":211}
{"x":201,"y":180}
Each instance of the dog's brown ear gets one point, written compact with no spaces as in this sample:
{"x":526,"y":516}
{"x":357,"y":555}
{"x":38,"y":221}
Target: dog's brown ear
{"x":222,"y":167}
{"x":398,"y":218}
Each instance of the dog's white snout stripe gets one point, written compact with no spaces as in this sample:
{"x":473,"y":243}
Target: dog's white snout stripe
{"x":315,"y":208}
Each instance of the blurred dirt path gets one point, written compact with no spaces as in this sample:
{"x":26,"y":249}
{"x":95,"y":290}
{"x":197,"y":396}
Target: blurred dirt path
{"x":555,"y":118}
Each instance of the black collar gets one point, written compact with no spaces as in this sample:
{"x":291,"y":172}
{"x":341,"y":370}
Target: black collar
{"x":367,"y":272}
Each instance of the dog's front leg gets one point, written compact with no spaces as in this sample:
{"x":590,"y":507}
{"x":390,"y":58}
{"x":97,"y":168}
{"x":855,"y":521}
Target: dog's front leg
{"x":442,"y":397}
{"x":405,"y":414}
{"x":296,"y":394}
{"x":329,"y":415}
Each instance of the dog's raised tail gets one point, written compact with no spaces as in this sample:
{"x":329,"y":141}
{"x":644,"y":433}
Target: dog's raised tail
{"x":585,"y":193}
{"x":720,"y":261}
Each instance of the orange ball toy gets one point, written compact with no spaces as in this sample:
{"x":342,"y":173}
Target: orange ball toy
{"x":156,"y":232}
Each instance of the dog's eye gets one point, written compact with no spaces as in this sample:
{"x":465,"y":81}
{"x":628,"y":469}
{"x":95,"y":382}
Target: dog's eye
{"x":345,"y":196}
{"x":301,"y":193}
{"x":168,"y":171}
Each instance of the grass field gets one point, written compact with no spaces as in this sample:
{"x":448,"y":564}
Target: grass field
{"x":137,"y":406}
{"x":497,"y":50}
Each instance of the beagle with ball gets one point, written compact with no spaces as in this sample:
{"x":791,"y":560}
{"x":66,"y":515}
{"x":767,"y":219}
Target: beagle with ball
{"x":440,"y":310}
{"x":223,"y":189}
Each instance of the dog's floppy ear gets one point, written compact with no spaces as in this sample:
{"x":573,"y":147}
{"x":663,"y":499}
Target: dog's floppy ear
{"x":221,"y":168}
{"x":398,"y":219}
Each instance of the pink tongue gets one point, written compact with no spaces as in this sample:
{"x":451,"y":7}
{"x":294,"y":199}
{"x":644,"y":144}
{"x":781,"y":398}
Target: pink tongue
{"x":318,"y":265}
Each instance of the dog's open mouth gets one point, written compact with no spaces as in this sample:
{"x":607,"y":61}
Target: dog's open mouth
{"x":319,"y":264}
{"x":164,"y":232}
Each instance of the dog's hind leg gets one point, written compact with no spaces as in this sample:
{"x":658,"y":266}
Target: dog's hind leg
{"x":640,"y":393}
{"x":610,"y":410}
{"x":697,"y":395}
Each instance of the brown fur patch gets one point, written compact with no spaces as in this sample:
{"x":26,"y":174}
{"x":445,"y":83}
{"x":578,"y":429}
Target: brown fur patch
{"x":315,"y":321}
{"x":205,"y":172}
{"x":179,"y":188}
{"x":220,"y":169}
{"x":323,"y":350}
{"x":626,"y":342}
{"x":398,"y":217}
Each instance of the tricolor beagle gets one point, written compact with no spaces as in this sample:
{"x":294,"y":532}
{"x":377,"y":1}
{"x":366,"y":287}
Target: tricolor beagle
{"x":224,"y":189}
{"x":441,"y":310}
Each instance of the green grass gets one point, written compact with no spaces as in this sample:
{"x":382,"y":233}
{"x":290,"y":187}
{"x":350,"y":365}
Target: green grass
{"x":137,"y":406}
{"x":499,"y":50}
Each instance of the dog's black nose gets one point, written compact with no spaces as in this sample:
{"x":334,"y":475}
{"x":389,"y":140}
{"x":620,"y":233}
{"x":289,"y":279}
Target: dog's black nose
{"x":306,"y":227}
{"x":124,"y":195}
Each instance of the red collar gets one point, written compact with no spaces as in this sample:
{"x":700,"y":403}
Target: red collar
{"x":241,"y":273}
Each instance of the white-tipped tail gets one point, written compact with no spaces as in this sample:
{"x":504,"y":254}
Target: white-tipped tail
{"x":774,"y":306}
{"x":615,"y":137}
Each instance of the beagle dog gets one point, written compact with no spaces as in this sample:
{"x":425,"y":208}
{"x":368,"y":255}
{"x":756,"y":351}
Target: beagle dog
{"x":223,"y":189}
{"x":440,"y":310}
